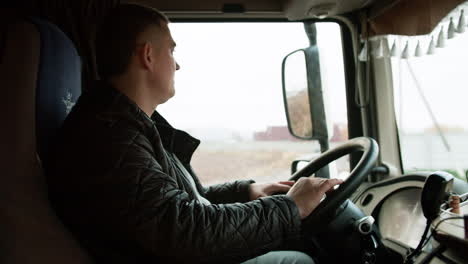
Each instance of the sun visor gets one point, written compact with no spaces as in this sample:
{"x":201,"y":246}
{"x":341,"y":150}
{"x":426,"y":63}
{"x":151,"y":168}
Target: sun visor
{"x":424,"y":34}
{"x":408,"y":17}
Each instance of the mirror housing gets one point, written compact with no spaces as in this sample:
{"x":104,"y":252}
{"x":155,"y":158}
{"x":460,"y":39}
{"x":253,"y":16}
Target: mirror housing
{"x":308,"y":61}
{"x":302,"y":95}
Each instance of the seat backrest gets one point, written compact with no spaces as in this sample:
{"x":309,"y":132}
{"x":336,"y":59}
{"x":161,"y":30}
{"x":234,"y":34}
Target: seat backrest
{"x":58,"y":83}
{"x":39,"y":80}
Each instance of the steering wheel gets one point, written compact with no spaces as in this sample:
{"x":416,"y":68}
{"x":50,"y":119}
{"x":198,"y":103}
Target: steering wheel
{"x":326,"y":209}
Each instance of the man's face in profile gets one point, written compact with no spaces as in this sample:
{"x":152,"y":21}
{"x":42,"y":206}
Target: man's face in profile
{"x":163,"y":70}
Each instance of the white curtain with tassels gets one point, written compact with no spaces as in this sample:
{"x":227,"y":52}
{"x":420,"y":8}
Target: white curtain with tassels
{"x":416,"y":46}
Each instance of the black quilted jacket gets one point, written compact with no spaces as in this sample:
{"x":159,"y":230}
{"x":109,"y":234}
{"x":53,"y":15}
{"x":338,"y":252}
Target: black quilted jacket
{"x":113,"y":185}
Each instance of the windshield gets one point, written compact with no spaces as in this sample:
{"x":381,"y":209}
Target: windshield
{"x":228,"y":94}
{"x":431,"y":99}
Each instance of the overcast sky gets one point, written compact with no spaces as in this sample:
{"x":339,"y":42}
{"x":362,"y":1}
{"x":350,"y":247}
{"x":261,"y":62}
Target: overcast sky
{"x":230,"y":78}
{"x":230,"y":74}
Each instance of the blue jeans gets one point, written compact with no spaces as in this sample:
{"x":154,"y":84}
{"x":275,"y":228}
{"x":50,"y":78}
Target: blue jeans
{"x":281,"y":257}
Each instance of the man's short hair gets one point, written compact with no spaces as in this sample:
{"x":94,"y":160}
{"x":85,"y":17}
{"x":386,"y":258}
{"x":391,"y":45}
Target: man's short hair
{"x":117,"y":36}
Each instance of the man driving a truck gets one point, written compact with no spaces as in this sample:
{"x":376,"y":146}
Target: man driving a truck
{"x":134,"y":197}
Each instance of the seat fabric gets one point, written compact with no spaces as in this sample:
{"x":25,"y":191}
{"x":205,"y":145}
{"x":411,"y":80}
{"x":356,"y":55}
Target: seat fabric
{"x":39,"y":81}
{"x":58,"y":83}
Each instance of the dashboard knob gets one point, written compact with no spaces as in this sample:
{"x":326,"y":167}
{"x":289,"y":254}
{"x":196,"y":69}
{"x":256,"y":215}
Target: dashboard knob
{"x":364,"y":225}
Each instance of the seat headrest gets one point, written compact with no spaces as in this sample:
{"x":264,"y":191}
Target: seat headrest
{"x":58,"y":83}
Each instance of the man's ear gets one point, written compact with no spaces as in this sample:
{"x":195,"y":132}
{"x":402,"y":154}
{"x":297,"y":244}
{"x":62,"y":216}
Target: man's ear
{"x":145,"y":56}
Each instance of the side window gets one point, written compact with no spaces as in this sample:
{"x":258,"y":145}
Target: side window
{"x":228,"y":94}
{"x":430,"y":102}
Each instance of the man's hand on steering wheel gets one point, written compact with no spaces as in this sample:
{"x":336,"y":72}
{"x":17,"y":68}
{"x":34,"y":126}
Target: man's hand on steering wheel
{"x":258,"y":190}
{"x":325,"y":210}
{"x":308,"y":192}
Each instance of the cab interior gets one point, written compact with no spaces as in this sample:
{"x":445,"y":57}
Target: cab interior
{"x":47,"y":59}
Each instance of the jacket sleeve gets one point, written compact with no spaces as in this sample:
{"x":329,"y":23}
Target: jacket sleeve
{"x":163,"y":219}
{"x":230,"y":192}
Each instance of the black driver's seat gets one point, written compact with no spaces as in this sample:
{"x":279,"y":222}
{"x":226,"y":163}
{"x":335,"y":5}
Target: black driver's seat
{"x":40,"y":78}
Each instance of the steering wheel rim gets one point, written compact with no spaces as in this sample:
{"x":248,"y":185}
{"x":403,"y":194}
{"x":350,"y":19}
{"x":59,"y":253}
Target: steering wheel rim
{"x":325,"y":210}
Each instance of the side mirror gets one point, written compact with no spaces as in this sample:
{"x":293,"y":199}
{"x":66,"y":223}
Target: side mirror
{"x":298,"y":164}
{"x":303,"y":99}
{"x":302,"y":94}
{"x":296,"y":94}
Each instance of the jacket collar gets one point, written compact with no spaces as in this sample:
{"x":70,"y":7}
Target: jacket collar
{"x":179,"y":142}
{"x":176,"y":141}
